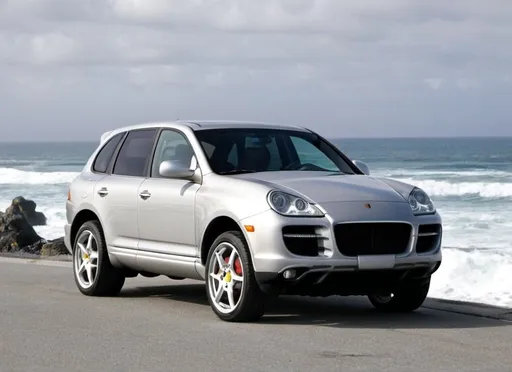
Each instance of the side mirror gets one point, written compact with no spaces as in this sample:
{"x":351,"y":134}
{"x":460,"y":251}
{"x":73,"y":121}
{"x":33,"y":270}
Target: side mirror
{"x":173,"y":169}
{"x":362,"y":166}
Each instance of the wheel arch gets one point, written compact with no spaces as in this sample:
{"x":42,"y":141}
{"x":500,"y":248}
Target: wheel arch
{"x":81,"y":217}
{"x":217,"y":226}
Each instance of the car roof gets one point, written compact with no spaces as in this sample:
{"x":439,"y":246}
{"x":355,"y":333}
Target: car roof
{"x":197,"y":125}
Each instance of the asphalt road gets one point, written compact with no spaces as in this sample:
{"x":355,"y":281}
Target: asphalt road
{"x":163,"y":325}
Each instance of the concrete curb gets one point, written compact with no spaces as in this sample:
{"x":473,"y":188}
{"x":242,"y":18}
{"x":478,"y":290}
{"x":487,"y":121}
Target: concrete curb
{"x":470,"y":308}
{"x":28,"y":259}
{"x":456,"y":307}
{"x":35,"y":257}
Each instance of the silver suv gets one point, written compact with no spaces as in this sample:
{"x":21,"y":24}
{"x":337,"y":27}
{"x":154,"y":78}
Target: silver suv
{"x":254,"y":210}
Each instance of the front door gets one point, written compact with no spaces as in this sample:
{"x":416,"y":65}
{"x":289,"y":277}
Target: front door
{"x":166,"y":207}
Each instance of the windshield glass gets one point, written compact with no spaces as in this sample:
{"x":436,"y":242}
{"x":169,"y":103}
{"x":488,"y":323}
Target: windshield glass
{"x":232,"y":151}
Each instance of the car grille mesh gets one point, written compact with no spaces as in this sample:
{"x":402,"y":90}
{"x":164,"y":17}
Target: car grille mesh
{"x":362,"y":239}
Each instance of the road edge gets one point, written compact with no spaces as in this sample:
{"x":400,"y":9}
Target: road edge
{"x":56,"y":261}
{"x":457,"y":307}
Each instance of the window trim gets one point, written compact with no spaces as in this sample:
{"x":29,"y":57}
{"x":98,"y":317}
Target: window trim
{"x":340,"y":153}
{"x":144,"y":173}
{"x":112,"y":157}
{"x":155,"y":145}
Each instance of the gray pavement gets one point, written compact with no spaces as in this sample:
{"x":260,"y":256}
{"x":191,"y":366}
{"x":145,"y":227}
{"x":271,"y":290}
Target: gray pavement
{"x":163,"y":325}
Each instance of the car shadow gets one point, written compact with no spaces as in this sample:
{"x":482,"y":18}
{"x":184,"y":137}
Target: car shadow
{"x":335,"y":311}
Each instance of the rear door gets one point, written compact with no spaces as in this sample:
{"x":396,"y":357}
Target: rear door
{"x":116,"y":195}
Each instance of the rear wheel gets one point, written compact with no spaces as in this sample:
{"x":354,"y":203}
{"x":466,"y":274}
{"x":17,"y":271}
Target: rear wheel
{"x":94,"y":274}
{"x":231,"y":286}
{"x":406,"y":299}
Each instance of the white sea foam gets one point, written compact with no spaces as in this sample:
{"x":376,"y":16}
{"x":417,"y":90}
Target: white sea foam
{"x":484,"y":228}
{"x":445,"y":188}
{"x":449,"y":173}
{"x":12,"y":176}
{"x":476,"y":276}
{"x":56,"y":219}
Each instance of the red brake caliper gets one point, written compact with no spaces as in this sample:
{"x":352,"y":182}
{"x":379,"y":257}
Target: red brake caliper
{"x":238,"y":265}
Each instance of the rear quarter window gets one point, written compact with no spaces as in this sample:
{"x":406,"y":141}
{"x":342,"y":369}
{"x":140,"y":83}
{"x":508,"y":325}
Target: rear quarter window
{"x":105,"y":155}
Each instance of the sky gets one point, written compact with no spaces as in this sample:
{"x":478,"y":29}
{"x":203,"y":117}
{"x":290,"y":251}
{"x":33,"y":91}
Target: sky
{"x":70,"y":69}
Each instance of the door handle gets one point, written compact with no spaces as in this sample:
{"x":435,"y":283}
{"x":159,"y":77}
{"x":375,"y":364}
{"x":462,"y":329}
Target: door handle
{"x":103,"y":192}
{"x":145,"y":194}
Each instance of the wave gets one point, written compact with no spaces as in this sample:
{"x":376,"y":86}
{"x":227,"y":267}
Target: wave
{"x":476,"y":276}
{"x":34,"y":164}
{"x":445,"y":173}
{"x":445,"y":188}
{"x":12,"y":176}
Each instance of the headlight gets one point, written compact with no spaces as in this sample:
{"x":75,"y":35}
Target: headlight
{"x":290,"y":205}
{"x":420,"y":202}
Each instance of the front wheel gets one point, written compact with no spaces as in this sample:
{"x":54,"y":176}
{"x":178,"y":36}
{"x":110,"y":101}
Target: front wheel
{"x":406,"y":299}
{"x":231,"y":286}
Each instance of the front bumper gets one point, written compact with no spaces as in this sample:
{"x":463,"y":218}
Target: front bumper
{"x":271,"y":258}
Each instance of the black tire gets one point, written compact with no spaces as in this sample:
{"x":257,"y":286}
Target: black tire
{"x":108,"y":280}
{"x":407,"y":299}
{"x":251,"y":301}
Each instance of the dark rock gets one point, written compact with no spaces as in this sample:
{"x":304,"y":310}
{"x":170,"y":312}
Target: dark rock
{"x":17,"y":234}
{"x":8,"y":241}
{"x":28,"y":208}
{"x":54,"y":248}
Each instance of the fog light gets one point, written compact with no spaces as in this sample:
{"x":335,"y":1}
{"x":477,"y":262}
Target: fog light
{"x":289,"y":274}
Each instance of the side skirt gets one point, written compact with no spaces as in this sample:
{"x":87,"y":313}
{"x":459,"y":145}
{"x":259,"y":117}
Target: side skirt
{"x":154,"y":263}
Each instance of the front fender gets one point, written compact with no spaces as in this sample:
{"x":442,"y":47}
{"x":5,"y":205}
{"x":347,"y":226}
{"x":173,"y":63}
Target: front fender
{"x":404,"y":189}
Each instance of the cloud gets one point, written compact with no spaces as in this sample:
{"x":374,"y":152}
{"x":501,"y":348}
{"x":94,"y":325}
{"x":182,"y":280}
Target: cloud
{"x":434,"y":83}
{"x":358,"y":64}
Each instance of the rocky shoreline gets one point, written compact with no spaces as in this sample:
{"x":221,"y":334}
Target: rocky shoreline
{"x":17,"y":234}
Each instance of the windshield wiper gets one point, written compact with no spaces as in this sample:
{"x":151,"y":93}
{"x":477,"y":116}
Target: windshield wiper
{"x":238,"y":171}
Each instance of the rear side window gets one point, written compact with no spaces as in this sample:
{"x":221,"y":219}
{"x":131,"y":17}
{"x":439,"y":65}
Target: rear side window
{"x":135,"y":153}
{"x":104,"y":157}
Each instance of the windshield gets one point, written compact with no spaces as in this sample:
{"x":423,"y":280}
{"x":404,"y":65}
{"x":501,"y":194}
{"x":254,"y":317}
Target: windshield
{"x":232,"y":151}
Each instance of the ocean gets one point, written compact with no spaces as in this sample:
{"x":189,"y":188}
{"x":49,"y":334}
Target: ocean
{"x":469,"y":180}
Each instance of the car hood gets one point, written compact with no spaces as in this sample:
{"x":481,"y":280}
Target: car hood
{"x":324,"y":187}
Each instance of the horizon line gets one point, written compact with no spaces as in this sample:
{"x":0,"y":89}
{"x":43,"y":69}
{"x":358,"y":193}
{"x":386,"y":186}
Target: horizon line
{"x":329,"y":138}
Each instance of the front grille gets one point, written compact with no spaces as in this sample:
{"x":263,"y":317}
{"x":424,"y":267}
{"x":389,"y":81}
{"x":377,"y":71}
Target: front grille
{"x":429,"y":238}
{"x":363,"y":239}
{"x":302,"y":240}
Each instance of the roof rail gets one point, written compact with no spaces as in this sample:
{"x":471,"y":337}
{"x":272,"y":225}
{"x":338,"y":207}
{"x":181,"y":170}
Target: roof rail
{"x":192,"y":122}
{"x":104,"y":136}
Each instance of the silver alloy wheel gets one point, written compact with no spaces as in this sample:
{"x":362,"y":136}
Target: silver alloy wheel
{"x":86,"y":259}
{"x":225,"y":285}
